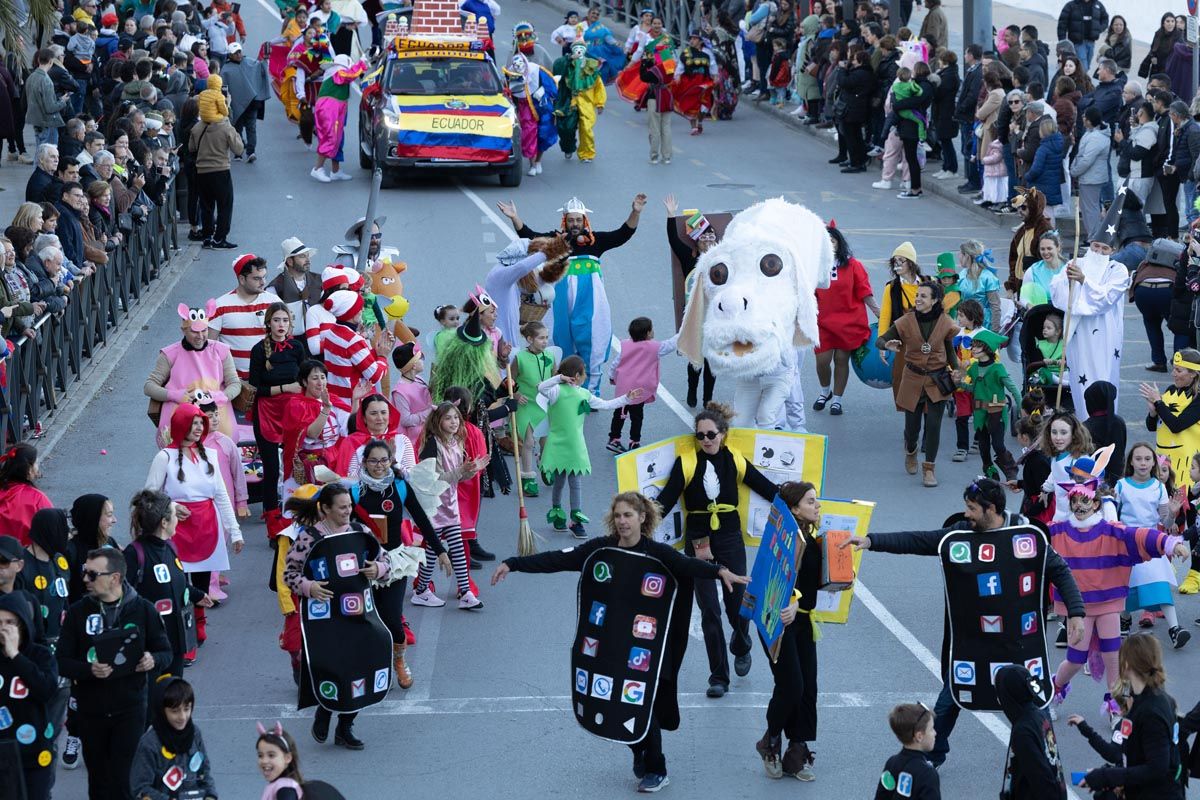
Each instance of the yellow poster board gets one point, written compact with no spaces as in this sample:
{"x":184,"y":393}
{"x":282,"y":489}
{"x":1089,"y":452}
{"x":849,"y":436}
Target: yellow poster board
{"x":841,"y":515}
{"x":781,"y":456}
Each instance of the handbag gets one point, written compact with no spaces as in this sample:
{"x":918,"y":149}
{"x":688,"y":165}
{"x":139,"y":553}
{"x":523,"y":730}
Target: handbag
{"x":943,"y":381}
{"x":154,"y":412}
{"x":125,"y":222}
{"x":757,"y":33}
{"x":245,"y":399}
{"x":1144,"y":67}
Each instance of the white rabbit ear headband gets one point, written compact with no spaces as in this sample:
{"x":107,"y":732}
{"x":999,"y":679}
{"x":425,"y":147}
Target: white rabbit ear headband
{"x":275,"y":733}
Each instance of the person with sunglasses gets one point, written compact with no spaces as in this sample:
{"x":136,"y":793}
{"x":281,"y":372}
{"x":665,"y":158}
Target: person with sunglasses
{"x":984,"y":510}
{"x":909,"y":773}
{"x":707,"y":481}
{"x":110,"y":699}
{"x":346,"y":255}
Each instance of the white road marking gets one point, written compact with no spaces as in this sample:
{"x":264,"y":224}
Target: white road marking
{"x":424,"y":653}
{"x":409,"y":705}
{"x":489,"y":237}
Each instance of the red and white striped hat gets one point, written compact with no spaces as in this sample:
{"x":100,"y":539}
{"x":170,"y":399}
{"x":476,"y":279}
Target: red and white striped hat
{"x":336,"y":277}
{"x":344,"y":304}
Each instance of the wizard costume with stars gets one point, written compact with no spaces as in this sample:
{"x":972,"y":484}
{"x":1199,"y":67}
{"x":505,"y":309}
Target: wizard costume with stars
{"x":1097,"y":307}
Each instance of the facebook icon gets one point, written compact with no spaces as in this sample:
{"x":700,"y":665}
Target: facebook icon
{"x":596,"y":617}
{"x":320,"y":569}
{"x":989,"y":584}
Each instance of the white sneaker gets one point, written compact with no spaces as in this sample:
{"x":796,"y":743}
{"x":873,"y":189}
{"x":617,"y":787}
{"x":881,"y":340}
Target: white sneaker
{"x":532,"y":169}
{"x":882,"y":185}
{"x":567,"y":156}
{"x":320,"y":175}
{"x":905,"y":185}
{"x":926,"y":147}
{"x":538,"y":167}
{"x":798,"y":111}
{"x":72,"y":753}
{"x":427,"y":598}
{"x":875,"y":152}
{"x":467,"y":601}
{"x":341,"y":175}
{"x":667,"y":160}
{"x":653,"y":158}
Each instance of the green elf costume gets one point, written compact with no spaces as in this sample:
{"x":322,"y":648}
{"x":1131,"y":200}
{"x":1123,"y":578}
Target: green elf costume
{"x":989,"y":383}
{"x":531,"y":369}
{"x":947,"y":269}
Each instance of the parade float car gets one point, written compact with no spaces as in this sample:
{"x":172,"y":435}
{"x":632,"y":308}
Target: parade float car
{"x":438,"y":102}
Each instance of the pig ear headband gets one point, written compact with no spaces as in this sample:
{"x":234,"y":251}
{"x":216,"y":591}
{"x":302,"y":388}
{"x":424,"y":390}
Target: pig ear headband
{"x":276,"y":732}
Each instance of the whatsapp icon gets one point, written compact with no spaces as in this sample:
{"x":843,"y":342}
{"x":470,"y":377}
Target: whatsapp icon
{"x":328,"y":690}
{"x":602,"y":572}
{"x":960,"y":553}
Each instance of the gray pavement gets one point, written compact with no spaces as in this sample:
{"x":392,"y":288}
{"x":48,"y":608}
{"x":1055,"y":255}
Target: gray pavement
{"x":487,"y":715}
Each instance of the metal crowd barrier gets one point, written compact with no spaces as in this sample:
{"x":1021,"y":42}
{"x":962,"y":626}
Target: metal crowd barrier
{"x":43,"y":370}
{"x":677,"y":14}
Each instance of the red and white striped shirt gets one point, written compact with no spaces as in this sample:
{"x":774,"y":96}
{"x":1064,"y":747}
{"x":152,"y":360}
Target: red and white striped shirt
{"x":349,"y":359}
{"x":240,"y":325}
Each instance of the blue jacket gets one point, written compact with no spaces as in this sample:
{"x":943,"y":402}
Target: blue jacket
{"x":1046,"y":171}
{"x":70,"y":233}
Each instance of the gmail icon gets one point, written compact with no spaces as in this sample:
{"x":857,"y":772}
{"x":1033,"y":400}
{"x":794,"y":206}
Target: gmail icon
{"x":991,"y":623}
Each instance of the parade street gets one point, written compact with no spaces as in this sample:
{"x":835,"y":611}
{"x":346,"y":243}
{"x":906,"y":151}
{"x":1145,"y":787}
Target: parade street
{"x":489,"y":713}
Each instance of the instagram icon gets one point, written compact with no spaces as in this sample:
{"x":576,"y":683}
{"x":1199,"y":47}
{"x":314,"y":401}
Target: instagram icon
{"x":653,"y":585}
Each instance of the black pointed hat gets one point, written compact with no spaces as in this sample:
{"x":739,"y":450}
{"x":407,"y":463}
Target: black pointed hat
{"x":1108,"y":231}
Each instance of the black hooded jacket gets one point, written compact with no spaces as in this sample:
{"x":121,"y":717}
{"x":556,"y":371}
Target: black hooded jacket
{"x":47,"y":580}
{"x":85,"y":516}
{"x":1032,"y":768}
{"x":33,"y":667}
{"x":1106,"y":426}
{"x":1150,"y":756}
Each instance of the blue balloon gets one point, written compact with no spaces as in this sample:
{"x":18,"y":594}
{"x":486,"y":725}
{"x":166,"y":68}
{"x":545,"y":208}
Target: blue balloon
{"x":867,"y":365}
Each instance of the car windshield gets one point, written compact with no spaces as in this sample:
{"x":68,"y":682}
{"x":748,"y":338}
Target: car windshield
{"x":432,"y":76}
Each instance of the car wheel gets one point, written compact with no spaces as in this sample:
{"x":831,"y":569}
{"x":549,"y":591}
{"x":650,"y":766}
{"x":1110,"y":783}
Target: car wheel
{"x":510,"y":178}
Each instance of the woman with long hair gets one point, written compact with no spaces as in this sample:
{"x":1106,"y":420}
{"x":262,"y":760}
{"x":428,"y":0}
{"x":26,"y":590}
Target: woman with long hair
{"x":92,"y":520}
{"x":629,"y":524}
{"x":275,"y":375}
{"x":20,"y":498}
{"x":898,"y":296}
{"x":706,"y":481}
{"x":977,"y":281}
{"x":189,"y":476}
{"x":1160,"y":46}
{"x":842,"y":321}
{"x":1117,"y":43}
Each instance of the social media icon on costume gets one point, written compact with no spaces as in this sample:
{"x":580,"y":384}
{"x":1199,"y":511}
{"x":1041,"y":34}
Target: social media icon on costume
{"x":318,"y":609}
{"x":1029,"y":623}
{"x":581,"y":681}
{"x":989,"y":584}
{"x":161,"y":573}
{"x":602,"y":687}
{"x":964,"y":673}
{"x":596,"y":615}
{"x":991,"y":623}
{"x":639,"y":659}
{"x":368,"y":602}
{"x":1026,"y":584}
{"x":653,"y":584}
{"x":1126,"y":728}
{"x":173,"y":778}
{"x":346,"y":564}
{"x":197,"y":760}
{"x":358,"y":688}
{"x":644,"y":627}
{"x":960,"y":553}
{"x":6,"y":719}
{"x":1034,"y":665}
{"x":602,"y":572}
{"x":633,"y":692}
{"x":352,"y":604}
{"x":17,"y":689}
{"x":996,"y":666}
{"x":93,"y":624}
{"x":320,"y":569}
{"x":904,"y":785}
{"x":383,"y":679}
{"x":590,"y":646}
{"x":987,"y":553}
{"x":164,"y":606}
{"x":328,"y":690}
{"x":26,"y":734}
{"x":60,"y":587}
{"x":1024,"y":546}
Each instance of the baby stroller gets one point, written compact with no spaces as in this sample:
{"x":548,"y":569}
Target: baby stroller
{"x":1032,"y":360}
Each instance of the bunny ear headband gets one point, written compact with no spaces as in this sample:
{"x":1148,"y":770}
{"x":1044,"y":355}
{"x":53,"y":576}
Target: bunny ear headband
{"x":276,"y":732}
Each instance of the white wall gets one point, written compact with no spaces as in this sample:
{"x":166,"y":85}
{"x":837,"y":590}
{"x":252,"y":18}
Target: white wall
{"x":1142,"y":15}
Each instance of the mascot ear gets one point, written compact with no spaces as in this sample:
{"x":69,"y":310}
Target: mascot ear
{"x":692,"y":329}
{"x":210,"y":307}
{"x":184,"y":311}
{"x":820,"y":260}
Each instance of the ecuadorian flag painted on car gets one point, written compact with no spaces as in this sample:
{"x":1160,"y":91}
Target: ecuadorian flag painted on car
{"x":467,"y":127}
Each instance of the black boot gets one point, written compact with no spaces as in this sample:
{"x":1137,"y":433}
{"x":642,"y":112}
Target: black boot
{"x":479,"y":554}
{"x":343,"y":735}
{"x":320,"y":726}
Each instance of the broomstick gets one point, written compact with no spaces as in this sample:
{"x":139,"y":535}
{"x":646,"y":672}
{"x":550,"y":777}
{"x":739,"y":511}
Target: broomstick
{"x":1062,"y":359}
{"x":526,"y":546}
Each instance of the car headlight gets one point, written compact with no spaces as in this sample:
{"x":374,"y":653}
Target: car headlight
{"x":510,"y":114}
{"x":391,"y":119}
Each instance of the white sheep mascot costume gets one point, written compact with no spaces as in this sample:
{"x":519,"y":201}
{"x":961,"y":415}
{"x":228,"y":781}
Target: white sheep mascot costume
{"x":754,"y":305}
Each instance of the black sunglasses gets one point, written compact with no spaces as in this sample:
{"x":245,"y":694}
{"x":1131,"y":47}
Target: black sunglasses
{"x":710,"y":435}
{"x":91,"y":574}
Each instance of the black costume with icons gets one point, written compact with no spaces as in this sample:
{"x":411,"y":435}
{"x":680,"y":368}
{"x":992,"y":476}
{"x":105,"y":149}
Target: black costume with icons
{"x":909,"y":774}
{"x":110,"y":712}
{"x":1148,"y":750}
{"x":30,"y":681}
{"x":157,"y":574}
{"x":1032,"y":767}
{"x":726,"y":545}
{"x":648,"y":752}
{"x":48,"y":580}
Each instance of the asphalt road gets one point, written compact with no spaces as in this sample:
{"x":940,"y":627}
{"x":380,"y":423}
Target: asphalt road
{"x":488,"y":715}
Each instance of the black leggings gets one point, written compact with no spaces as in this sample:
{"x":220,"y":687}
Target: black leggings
{"x":390,"y":602}
{"x":792,"y":709}
{"x":636,"y":412}
{"x":650,"y":749}
{"x":914,"y":166}
{"x":710,"y":381}
{"x":932,"y":413}
{"x":991,"y":440}
{"x":856,"y":145}
{"x":268,"y":453}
